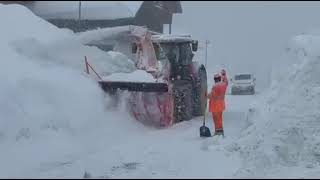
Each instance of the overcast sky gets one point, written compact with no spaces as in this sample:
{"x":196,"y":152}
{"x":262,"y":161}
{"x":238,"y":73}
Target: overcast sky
{"x":246,"y":36}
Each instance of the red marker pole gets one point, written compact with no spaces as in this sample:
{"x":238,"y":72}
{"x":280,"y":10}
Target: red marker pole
{"x":86,"y":62}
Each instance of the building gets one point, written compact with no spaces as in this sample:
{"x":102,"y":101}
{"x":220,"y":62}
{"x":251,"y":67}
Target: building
{"x":87,"y":15}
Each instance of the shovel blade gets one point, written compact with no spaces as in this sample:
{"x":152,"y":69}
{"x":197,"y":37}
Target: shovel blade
{"x":205,"y":131}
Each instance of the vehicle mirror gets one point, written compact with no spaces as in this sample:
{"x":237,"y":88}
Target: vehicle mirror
{"x":134,"y":48}
{"x":194,"y":45}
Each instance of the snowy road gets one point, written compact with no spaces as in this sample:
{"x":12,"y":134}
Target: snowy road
{"x":176,"y":152}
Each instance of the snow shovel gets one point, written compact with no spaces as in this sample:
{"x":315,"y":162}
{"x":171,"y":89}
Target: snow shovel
{"x":204,"y":130}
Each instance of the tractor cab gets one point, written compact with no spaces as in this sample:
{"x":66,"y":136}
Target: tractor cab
{"x":177,"y":50}
{"x":173,"y":53}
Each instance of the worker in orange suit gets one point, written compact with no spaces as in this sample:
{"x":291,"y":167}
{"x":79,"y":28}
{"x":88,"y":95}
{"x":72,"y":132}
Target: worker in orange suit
{"x":217,"y":103}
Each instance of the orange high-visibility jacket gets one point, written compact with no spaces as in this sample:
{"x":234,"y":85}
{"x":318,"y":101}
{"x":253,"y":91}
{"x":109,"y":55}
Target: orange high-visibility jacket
{"x":216,"y":102}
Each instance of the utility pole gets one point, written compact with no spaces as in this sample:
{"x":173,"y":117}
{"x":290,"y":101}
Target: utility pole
{"x":79,"y":18}
{"x":207,"y":42}
{"x":170,"y":28}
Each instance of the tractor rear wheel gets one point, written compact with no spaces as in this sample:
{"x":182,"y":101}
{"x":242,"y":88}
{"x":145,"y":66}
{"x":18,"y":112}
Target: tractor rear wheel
{"x":182,"y":92}
{"x":199,"y":93}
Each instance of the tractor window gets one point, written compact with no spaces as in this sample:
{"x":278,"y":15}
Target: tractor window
{"x":160,"y":54}
{"x":185,"y":54}
{"x":171,"y":51}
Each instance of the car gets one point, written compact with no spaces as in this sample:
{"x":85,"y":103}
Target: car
{"x":243,"y":84}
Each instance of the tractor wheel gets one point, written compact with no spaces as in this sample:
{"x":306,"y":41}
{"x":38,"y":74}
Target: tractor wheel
{"x":182,"y":92}
{"x":199,"y":93}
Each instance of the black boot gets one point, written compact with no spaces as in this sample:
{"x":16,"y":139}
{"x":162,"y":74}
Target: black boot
{"x":218,"y":132}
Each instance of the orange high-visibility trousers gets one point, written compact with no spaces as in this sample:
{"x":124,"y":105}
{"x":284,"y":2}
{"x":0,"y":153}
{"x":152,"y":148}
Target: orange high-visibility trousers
{"x":217,"y":120}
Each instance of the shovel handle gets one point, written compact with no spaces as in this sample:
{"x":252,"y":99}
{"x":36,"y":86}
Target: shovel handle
{"x":204,"y":118}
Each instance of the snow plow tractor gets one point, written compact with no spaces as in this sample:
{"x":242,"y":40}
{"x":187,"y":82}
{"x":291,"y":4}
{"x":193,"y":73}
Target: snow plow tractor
{"x":178,"y":92}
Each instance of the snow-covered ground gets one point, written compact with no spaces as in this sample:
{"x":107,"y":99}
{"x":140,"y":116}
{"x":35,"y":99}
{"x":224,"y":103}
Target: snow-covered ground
{"x":176,"y":152}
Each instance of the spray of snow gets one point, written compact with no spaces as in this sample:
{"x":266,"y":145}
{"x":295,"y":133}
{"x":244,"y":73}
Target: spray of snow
{"x":104,"y":33}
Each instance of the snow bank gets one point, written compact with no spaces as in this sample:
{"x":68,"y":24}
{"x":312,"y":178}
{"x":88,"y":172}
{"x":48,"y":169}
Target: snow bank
{"x":283,"y":139}
{"x":50,"y":110}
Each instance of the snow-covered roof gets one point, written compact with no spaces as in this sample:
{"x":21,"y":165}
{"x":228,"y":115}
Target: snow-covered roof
{"x":89,"y":9}
{"x":171,"y":38}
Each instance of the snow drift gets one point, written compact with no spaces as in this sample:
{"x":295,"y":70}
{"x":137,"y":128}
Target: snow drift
{"x":50,"y":109}
{"x":283,"y":139}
